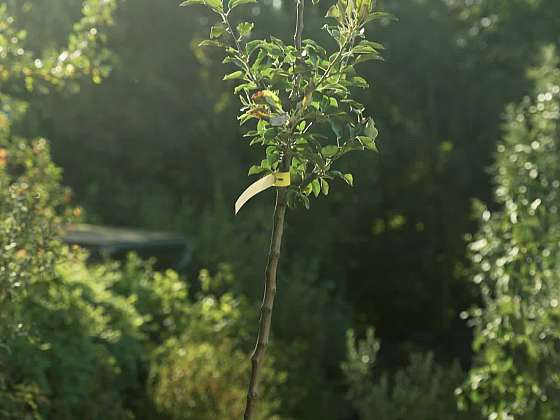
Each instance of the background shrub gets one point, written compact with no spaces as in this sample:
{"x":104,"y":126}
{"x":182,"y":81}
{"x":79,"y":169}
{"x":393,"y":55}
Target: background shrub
{"x":203,"y":373}
{"x":516,"y":254}
{"x":423,"y":390}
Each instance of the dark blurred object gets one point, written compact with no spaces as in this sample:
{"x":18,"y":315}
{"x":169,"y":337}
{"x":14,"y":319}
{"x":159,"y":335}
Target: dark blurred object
{"x":169,"y":250}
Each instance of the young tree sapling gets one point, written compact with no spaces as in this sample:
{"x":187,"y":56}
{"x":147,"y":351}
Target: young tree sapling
{"x":297,"y":93}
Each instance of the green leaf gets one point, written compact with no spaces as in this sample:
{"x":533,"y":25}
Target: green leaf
{"x":368,"y":143}
{"x":363,"y":49}
{"x":333,"y":12}
{"x":235,"y":75}
{"x":354,"y":104}
{"x":211,"y":43}
{"x":333,"y":103}
{"x":316,"y":186}
{"x":329,"y":151}
{"x":373,"y":44}
{"x":189,"y":2}
{"x":262,"y":125}
{"x":234,"y":3}
{"x":271,"y":99}
{"x":253,"y":45}
{"x":256,"y":169}
{"x":217,"y":30}
{"x":360,"y":82}
{"x":245,"y":86}
{"x":216,"y":5}
{"x":324,"y":186}
{"x":368,"y":57}
{"x":370,"y":129}
{"x":349,"y":179}
{"x":265,"y":164}
{"x":244,"y":29}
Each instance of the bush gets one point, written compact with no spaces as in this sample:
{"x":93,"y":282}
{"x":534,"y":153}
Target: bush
{"x":78,"y":340}
{"x":83,"y":345}
{"x":516,"y":254}
{"x":203,"y":374}
{"x":421,"y":391}
{"x":31,"y":211}
{"x":97,"y":332}
{"x":31,"y":203}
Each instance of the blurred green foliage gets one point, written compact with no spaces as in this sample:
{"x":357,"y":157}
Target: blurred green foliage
{"x":30,"y":215}
{"x":423,"y":390}
{"x":515,"y":256}
{"x":81,"y":340}
{"x":202,"y":373}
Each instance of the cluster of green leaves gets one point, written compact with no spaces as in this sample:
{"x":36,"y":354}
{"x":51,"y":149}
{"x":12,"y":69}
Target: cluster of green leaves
{"x":299,"y":94}
{"x":423,"y":390}
{"x":83,"y":54}
{"x":515,"y":255}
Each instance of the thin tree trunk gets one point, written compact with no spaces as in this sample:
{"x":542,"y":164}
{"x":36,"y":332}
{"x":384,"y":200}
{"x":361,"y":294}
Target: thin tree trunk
{"x":257,"y":358}
{"x":299,"y":24}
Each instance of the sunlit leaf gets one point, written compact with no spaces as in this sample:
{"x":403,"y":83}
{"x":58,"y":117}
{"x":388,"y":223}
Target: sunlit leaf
{"x":244,"y":29}
{"x":333,"y":12}
{"x":216,"y":5}
{"x":256,"y":169}
{"x":316,"y":187}
{"x":217,"y":30}
{"x":235,"y":75}
{"x":211,"y":43}
{"x":189,"y":2}
{"x":234,"y":3}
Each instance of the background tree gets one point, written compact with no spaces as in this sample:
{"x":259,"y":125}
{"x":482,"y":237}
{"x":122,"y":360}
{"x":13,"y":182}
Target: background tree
{"x":516,"y":256}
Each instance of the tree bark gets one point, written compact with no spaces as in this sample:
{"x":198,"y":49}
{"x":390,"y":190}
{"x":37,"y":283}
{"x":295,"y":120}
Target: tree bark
{"x":299,"y":24}
{"x":257,"y":358}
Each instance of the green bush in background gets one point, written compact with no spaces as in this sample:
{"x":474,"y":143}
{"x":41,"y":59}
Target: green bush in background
{"x":83,"y":346}
{"x":423,"y":390}
{"x":201,"y":374}
{"x":516,"y":254}
{"x":79,"y":340}
{"x":31,"y":210}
